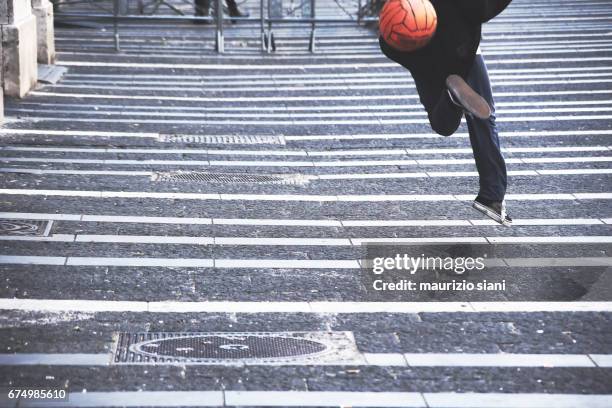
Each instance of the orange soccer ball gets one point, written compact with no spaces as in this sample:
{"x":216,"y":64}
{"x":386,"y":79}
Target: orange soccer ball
{"x":408,"y":25}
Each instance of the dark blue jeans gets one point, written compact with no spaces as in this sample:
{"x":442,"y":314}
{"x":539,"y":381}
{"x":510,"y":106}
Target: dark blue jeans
{"x":445,"y":117}
{"x":485,"y":140}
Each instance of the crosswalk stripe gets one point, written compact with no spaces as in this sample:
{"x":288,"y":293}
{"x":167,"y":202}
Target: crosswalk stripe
{"x":300,"y":197}
{"x":302,"y":163}
{"x":290,"y":122}
{"x":327,"y":399}
{"x":297,"y":222}
{"x":356,"y":136}
{"x":260,"y":263}
{"x":303,"y":152}
{"x":369,"y":359}
{"x":299,"y":98}
{"x":318,"y":86}
{"x":396,"y":72}
{"x":302,"y":66}
{"x":93,"y":306}
{"x":502,"y":400}
{"x":322,"y":177}
{"x":311,"y":241}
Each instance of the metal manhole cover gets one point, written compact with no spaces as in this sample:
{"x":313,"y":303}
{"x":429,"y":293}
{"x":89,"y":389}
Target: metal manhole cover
{"x":251,"y":348}
{"x":39,"y":228}
{"x":230,"y":178}
{"x":222,"y":139}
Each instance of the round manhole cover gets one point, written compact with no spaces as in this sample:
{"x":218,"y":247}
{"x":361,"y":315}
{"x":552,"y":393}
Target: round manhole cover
{"x":229,"y":347}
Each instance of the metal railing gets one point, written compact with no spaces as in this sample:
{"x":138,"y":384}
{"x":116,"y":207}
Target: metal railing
{"x":270,"y":13}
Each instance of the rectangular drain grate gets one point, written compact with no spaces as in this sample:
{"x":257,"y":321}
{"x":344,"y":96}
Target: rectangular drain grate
{"x":237,"y":348}
{"x":222,"y":139}
{"x":36,"y":228}
{"x":230,"y":178}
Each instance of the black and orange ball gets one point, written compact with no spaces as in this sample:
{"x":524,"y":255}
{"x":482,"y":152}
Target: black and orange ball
{"x":407,"y":25}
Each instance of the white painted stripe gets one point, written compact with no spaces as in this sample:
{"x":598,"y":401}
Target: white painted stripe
{"x":181,"y":262}
{"x":299,"y":98}
{"x":505,"y":400}
{"x":287,"y":263}
{"x":371,"y":359}
{"x":304,"y":152}
{"x":323,"y":399}
{"x":290,"y":122}
{"x":295,"y":222}
{"x":32,"y":260}
{"x":278,"y":222}
{"x":308,"y":263}
{"x":282,"y":241}
{"x":52,"y":238}
{"x":438,"y":240}
{"x":228,"y":82}
{"x":377,"y":109}
{"x":137,"y":399}
{"x":155,"y":262}
{"x":461,"y":135}
{"x":566,"y":172}
{"x":314,"y":83}
{"x":74,"y":359}
{"x":593,"y":196}
{"x":145,"y":220}
{"x":327,"y":399}
{"x":145,"y":239}
{"x":395,"y":72}
{"x":354,"y":47}
{"x":52,"y":132}
{"x":551,"y":240}
{"x":602,"y":360}
{"x":352,"y":39}
{"x":543,"y":221}
{"x":299,"y":197}
{"x":288,"y":241}
{"x":81,"y":305}
{"x":288,"y":86}
{"x":405,"y":223}
{"x":500,"y":307}
{"x":278,"y":67}
{"x":341,"y":176}
{"x":127,"y":173}
{"x":593,"y":159}
{"x":497,"y":360}
{"x":385,"y":359}
{"x":40,"y":216}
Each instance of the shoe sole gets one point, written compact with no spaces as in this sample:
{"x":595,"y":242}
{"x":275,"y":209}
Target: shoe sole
{"x":467,"y":97}
{"x":491,"y":214}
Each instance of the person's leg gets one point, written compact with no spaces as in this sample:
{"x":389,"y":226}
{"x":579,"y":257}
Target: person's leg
{"x":202,"y":7}
{"x":444,"y":116}
{"x":484,"y":139}
{"x":233,"y":9}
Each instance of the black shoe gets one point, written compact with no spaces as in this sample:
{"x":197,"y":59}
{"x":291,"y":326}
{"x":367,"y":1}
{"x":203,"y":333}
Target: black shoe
{"x":462,"y":95}
{"x":496,"y":210}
